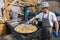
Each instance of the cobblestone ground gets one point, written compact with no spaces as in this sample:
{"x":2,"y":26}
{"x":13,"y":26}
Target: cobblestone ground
{"x":7,"y":37}
{"x":10,"y":37}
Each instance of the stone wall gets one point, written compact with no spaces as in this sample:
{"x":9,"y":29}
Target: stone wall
{"x":54,"y":5}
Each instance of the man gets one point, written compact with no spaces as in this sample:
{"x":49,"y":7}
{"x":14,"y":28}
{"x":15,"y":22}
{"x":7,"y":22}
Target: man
{"x":47,"y":18}
{"x":13,"y":15}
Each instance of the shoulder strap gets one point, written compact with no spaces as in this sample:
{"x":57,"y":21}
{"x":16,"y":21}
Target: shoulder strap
{"x":48,"y":15}
{"x":43,"y":16}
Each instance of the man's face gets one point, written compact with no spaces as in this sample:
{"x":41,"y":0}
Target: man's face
{"x":44,"y":9}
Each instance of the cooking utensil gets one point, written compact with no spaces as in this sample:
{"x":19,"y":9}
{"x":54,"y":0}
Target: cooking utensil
{"x":25,"y":29}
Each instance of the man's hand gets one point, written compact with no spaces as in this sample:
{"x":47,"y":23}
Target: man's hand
{"x":57,"y":28}
{"x":56,"y":34}
{"x":28,"y":22}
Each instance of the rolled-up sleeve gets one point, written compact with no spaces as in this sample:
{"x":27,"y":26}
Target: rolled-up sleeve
{"x":39,"y":16}
{"x":54,"y":17}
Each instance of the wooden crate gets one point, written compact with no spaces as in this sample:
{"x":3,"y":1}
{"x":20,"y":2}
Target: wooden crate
{"x":2,"y":29}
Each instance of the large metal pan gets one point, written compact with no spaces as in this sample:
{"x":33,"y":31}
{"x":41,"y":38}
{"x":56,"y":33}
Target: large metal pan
{"x":25,"y":29}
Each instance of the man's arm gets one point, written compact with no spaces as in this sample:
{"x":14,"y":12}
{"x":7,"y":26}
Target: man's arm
{"x":56,"y":22}
{"x":36,"y":17}
{"x":32,"y":19}
{"x":56,"y":26}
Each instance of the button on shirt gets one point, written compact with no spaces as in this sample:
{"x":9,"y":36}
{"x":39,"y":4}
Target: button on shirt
{"x":52,"y":17}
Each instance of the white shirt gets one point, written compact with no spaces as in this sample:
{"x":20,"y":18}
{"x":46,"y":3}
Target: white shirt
{"x":1,"y":3}
{"x":52,"y":17}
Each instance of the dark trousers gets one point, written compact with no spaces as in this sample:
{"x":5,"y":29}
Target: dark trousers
{"x":46,"y":34}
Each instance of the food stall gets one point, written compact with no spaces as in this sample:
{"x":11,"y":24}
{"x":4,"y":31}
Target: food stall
{"x":22,"y":31}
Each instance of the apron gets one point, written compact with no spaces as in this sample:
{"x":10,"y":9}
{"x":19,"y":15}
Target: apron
{"x":46,"y":30}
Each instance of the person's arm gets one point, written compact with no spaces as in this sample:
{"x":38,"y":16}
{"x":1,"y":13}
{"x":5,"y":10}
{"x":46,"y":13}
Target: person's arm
{"x":32,"y":19}
{"x":56,"y":25}
{"x":39,"y":16}
{"x":36,"y":17}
